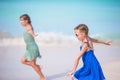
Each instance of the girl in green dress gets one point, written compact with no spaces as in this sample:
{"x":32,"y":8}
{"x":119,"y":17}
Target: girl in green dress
{"x":32,"y":50}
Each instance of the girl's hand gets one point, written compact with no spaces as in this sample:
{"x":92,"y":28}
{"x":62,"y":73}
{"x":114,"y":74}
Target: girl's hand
{"x":108,"y":42}
{"x":70,"y":73}
{"x":36,"y":35}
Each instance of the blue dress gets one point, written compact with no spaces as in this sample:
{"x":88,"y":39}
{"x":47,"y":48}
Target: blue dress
{"x":32,"y":50}
{"x":91,"y":69}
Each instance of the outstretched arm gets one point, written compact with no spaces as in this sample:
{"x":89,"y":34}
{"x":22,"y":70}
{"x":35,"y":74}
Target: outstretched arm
{"x":84,"y":49}
{"x":100,"y":41}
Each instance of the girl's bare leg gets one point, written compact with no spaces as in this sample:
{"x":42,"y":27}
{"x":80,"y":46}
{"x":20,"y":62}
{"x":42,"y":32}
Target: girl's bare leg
{"x":24,"y":61}
{"x":36,"y":67}
{"x":38,"y":70}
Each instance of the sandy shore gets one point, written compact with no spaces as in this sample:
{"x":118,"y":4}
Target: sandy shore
{"x":56,"y":62}
{"x":112,"y":70}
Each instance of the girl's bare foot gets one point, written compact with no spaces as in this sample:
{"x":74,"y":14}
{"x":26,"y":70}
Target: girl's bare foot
{"x":43,"y":79}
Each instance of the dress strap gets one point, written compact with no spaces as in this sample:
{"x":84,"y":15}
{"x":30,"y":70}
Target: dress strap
{"x":87,"y":44}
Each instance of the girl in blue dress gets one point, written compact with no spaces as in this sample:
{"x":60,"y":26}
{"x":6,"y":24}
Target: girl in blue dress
{"x":32,"y":50}
{"x":91,"y":69}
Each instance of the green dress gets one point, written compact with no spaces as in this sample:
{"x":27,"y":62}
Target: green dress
{"x":32,"y":50}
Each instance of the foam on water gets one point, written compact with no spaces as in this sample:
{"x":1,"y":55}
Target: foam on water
{"x":52,"y":38}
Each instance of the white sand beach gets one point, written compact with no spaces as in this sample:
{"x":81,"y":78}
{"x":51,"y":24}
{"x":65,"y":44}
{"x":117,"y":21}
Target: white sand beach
{"x":56,"y":61}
